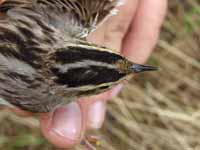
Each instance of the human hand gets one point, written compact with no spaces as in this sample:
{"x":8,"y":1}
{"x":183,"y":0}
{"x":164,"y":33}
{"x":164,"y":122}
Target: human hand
{"x":133,"y":32}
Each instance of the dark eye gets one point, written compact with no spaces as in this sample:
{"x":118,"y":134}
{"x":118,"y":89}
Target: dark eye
{"x":104,"y":87}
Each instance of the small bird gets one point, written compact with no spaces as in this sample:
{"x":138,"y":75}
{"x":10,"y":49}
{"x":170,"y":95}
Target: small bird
{"x":45,"y":59}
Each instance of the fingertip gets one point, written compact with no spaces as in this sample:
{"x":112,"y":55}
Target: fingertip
{"x":96,"y":114}
{"x":64,"y":127}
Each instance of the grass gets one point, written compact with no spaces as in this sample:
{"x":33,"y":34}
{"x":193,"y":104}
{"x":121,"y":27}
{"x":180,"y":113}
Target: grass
{"x":156,"y":111}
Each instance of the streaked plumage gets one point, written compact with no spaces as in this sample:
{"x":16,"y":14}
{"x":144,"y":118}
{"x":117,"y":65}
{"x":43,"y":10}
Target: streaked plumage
{"x":45,"y":60}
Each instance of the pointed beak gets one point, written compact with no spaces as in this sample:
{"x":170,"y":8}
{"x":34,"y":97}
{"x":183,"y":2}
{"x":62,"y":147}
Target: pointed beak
{"x":136,"y":68}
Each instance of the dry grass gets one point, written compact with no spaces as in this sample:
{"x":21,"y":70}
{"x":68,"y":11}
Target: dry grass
{"x":157,"y":111}
{"x":161,"y":111}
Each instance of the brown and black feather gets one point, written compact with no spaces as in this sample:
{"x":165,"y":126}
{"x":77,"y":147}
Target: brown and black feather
{"x":42,"y":61}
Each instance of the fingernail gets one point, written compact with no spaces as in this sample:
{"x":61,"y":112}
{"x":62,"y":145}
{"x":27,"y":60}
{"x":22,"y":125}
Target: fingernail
{"x":116,"y":90}
{"x":67,"y":121}
{"x":96,"y":114}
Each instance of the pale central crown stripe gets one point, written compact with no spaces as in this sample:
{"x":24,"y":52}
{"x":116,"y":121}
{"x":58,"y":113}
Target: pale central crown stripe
{"x":83,"y":64}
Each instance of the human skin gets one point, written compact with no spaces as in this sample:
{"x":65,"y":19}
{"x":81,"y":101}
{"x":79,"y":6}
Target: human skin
{"x":133,"y":32}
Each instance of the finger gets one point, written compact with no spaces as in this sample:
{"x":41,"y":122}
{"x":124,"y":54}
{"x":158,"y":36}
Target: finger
{"x":97,"y":37}
{"x":111,"y":32}
{"x":1,"y":1}
{"x":117,"y":25}
{"x":144,"y":30}
{"x":95,"y":107}
{"x":65,"y":126}
{"x":95,"y":112}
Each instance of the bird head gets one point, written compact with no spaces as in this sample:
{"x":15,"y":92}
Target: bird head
{"x":91,"y":69}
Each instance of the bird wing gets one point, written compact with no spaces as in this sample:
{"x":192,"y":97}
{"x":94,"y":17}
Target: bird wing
{"x":83,"y":16}
{"x":77,"y":18}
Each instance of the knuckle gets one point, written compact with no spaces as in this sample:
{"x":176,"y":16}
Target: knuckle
{"x":115,"y":31}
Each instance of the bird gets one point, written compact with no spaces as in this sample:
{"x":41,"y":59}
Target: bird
{"x":45,"y":58}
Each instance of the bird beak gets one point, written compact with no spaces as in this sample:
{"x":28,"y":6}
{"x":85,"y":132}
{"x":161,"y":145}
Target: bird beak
{"x":137,"y":68}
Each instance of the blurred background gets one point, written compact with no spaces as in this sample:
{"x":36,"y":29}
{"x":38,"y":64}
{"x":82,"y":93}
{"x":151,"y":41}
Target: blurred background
{"x":156,"y":111}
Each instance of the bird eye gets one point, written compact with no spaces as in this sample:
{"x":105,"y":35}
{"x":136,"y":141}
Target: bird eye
{"x":104,"y":87}
{"x":84,"y":33}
